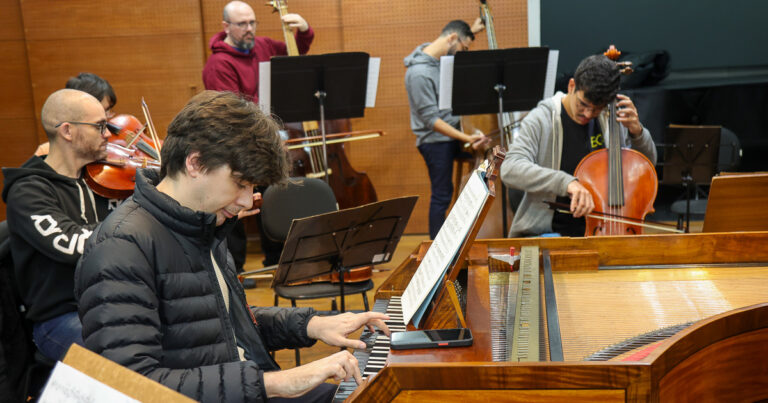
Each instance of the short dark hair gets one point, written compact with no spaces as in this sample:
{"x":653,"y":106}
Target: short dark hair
{"x":94,"y":85}
{"x":226,"y":129}
{"x":599,"y":77}
{"x":460,"y":27}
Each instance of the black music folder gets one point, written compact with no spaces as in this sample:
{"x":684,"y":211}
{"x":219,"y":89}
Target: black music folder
{"x":296,"y":81}
{"x":483,"y":79}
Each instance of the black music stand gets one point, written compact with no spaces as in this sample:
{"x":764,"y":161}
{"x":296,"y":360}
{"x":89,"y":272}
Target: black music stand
{"x":341,"y":240}
{"x":319,"y":87}
{"x":498,"y":81}
{"x":690,"y":157}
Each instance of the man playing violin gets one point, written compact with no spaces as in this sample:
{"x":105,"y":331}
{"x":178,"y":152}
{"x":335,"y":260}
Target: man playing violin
{"x":237,"y":51}
{"x":553,"y":139}
{"x":156,"y":285}
{"x":51,"y":212}
{"x":439,"y":139}
{"x":94,"y":85}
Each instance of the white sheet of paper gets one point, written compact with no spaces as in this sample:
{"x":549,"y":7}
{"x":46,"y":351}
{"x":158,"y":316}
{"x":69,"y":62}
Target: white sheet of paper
{"x":68,"y":385}
{"x":549,"y":80}
{"x":446,"y":83}
{"x":446,"y":245}
{"x":265,"y":87}
{"x":374,"y":64}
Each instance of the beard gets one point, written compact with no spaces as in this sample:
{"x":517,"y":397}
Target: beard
{"x":246,"y":42}
{"x":92,"y":151}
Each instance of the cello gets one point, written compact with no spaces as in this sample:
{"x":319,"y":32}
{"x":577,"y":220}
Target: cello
{"x":351,"y":188}
{"x":622,"y":181}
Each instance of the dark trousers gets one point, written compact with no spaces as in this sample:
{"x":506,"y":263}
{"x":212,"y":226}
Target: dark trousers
{"x":439,"y":158}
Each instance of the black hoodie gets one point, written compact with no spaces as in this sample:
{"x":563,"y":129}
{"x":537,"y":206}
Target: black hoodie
{"x":49,"y":216}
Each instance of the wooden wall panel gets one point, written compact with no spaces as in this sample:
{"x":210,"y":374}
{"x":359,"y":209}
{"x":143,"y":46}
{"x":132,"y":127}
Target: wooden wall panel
{"x":144,"y":49}
{"x":158,"y":49}
{"x":17,"y":118}
{"x":391,"y":30}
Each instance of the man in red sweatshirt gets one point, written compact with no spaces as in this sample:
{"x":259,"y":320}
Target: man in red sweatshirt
{"x":237,"y":51}
{"x":234,"y":66}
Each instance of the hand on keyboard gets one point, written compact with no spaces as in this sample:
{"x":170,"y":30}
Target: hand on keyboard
{"x":333,"y":330}
{"x":297,"y":381}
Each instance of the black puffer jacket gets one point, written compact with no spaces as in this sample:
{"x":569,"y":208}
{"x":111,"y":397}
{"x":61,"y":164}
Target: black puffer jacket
{"x":149,"y":300}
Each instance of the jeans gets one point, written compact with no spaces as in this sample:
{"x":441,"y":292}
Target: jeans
{"x":54,"y":336}
{"x":439,"y":158}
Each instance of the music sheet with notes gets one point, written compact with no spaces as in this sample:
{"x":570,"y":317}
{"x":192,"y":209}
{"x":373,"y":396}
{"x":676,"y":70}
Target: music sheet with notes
{"x":444,"y":249}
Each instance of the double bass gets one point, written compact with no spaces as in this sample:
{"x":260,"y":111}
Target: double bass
{"x":351,"y":188}
{"x":622,"y":181}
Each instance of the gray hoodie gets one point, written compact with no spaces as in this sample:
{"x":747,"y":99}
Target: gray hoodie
{"x":422,"y":81}
{"x":532,"y":164}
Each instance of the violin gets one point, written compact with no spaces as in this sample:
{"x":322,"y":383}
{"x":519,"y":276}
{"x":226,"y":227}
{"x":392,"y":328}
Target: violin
{"x":128,"y":149}
{"x":622,"y":181}
{"x":130,"y":134}
{"x":115,"y":176}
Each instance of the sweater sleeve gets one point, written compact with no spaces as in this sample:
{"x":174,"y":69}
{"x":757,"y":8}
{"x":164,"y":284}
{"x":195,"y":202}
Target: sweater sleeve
{"x":521,"y":169}
{"x":304,"y":39}
{"x":36,"y":215}
{"x":422,"y":94}
{"x":118,"y":306}
{"x":284,"y":327}
{"x":644,"y":143}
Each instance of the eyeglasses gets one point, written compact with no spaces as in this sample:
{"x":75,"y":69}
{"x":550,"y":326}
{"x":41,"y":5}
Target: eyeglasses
{"x":102,"y":125}
{"x":244,"y":24}
{"x":584,"y":105}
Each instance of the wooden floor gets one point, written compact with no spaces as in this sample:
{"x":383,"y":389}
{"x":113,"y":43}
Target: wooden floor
{"x":262,"y":295}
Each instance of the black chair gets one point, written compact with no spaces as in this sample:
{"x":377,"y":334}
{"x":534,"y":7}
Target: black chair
{"x":728,"y":159}
{"x":23,"y":369}
{"x":303,"y":197}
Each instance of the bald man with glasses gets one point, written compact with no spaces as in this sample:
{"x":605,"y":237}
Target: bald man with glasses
{"x":51,"y":211}
{"x":237,"y":51}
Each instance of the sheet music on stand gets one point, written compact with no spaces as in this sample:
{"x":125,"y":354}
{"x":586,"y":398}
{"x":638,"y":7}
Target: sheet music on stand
{"x":444,"y":249}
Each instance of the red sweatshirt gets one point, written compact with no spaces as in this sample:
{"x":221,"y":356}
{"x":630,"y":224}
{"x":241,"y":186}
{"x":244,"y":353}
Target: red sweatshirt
{"x":228,"y":69}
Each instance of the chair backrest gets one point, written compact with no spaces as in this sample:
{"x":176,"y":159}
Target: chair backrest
{"x":729,"y":157}
{"x":301,"y":197}
{"x":737,"y":203}
{"x":16,"y":346}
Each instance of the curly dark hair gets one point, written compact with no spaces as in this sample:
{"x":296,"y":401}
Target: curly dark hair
{"x":599,"y":77}
{"x":226,"y":129}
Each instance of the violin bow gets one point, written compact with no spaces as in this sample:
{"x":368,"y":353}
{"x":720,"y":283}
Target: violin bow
{"x":151,"y":127}
{"x":565,"y":209}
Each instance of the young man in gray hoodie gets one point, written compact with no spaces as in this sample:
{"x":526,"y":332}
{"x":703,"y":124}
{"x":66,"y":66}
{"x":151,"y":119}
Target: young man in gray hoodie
{"x":439,"y":139}
{"x":555,"y":136}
